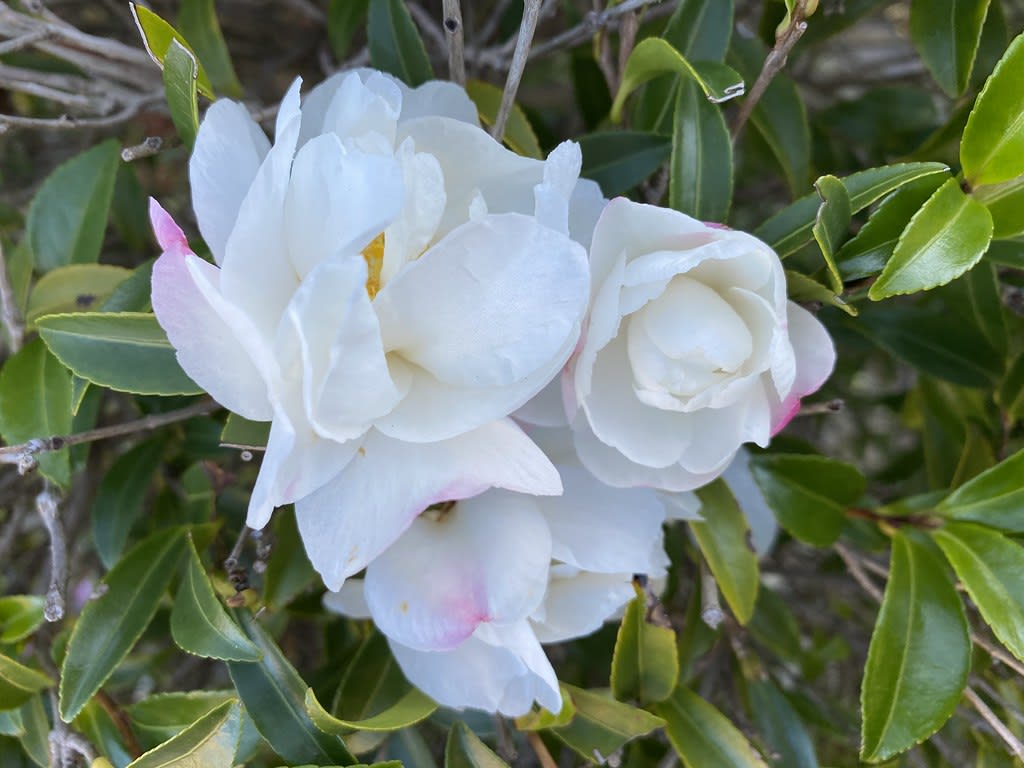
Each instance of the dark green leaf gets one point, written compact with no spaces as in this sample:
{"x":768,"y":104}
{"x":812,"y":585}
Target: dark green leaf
{"x":995,"y":498}
{"x":395,"y":43}
{"x":943,"y":240}
{"x":724,"y":542}
{"x":198,"y":22}
{"x":946,"y":35}
{"x":373,"y":682}
{"x":289,"y":571}
{"x":700,"y":182}
{"x":992,"y":149}
{"x":919,"y":655}
{"x":344,"y":17}
{"x":68,"y":215}
{"x":519,"y":135}
{"x":700,"y":29}
{"x":619,"y":160}
{"x":602,"y":725}
{"x":200,"y":624}
{"x":180,"y":70}
{"x":465,"y":750}
{"x":76,"y":287}
{"x":209,"y":742}
{"x":20,"y":616}
{"x":162,"y":716}
{"x":1006,"y":204}
{"x":832,"y":224}
{"x":413,"y":707}
{"x":808,"y":494}
{"x":702,"y":736}
{"x":984,"y":292}
{"x":244,"y":434}
{"x":645,"y":665}
{"x":18,"y":683}
{"x":274,"y":696}
{"x":36,"y":737}
{"x":133,"y":295}
{"x":781,"y":726}
{"x":157,"y":36}
{"x":110,"y":624}
{"x":1010,"y":394}
{"x":120,"y":498}
{"x":803,"y":289}
{"x":126,"y":351}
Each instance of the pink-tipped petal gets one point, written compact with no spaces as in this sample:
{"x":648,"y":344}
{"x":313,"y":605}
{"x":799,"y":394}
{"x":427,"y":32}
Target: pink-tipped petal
{"x":168,"y":234}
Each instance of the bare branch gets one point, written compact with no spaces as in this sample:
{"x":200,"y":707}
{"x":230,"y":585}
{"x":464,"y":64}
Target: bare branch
{"x":67,"y":122}
{"x":456,"y":41}
{"x":531,"y":12}
{"x":149,"y":147}
{"x":591,"y":23}
{"x":1012,"y":742}
{"x":541,"y":751}
{"x":853,"y":564}
{"x":24,"y":41}
{"x":711,"y":612}
{"x":46,"y":506}
{"x":9,"y":314}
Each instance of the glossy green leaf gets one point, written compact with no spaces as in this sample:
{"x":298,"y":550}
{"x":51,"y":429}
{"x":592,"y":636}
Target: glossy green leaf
{"x":197,"y":21}
{"x":120,"y":497}
{"x":373,"y":682}
{"x":200,"y":624}
{"x":654,"y":56}
{"x":35,"y":739}
{"x":620,"y":160}
{"x":700,"y":179}
{"x":68,"y":215}
{"x":803,"y":289}
{"x":944,"y":239}
{"x":110,"y":624}
{"x":35,"y":402}
{"x":991,"y":568}
{"x":946,"y":34}
{"x":995,"y":498}
{"x":541,"y":719}
{"x":832,"y":224}
{"x":126,"y":351}
{"x":809,"y":494}
{"x":344,"y":18}
{"x":395,"y":43}
{"x":20,"y":616}
{"x":162,"y":716}
{"x":180,"y":71}
{"x":985,"y":296}
{"x":992,"y":148}
{"x":519,"y":135}
{"x":702,"y":736}
{"x":465,"y":750}
{"x":724,"y":541}
{"x":919,"y":654}
{"x":74,"y":288}
{"x":602,"y":725}
{"x":209,"y":742}
{"x":791,"y":228}
{"x":645,"y":665}
{"x":1006,"y":204}
{"x":413,"y":707}
{"x":133,"y":295}
{"x":157,"y":36}
{"x":274,"y":696}
{"x":241,"y":433}
{"x":784,"y":733}
{"x":18,"y":682}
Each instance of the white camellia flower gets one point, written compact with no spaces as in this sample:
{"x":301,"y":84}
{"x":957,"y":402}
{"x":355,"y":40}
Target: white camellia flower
{"x":691,"y":350}
{"x":389,"y":284}
{"x":467,"y":595}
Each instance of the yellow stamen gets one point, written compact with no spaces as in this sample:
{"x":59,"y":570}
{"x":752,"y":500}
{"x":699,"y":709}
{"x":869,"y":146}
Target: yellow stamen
{"x":374,"y":255}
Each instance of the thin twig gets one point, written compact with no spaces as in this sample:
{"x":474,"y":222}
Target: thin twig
{"x":540,"y":750}
{"x":67,"y":122}
{"x":9,"y":314}
{"x":830,"y":406}
{"x":46,"y":506}
{"x":531,"y":12}
{"x":711,"y":612}
{"x":773,"y":64}
{"x":1012,"y":742}
{"x":24,"y":41}
{"x":998,"y":653}
{"x":121,"y":721}
{"x":147,"y":148}
{"x":591,"y":23}
{"x":856,"y":570}
{"x":456,"y":41}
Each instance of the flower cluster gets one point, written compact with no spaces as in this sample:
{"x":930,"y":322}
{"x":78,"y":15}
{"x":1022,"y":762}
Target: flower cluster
{"x":488,"y":386}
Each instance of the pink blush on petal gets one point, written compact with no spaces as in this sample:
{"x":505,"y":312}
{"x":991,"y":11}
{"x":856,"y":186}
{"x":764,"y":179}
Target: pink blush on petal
{"x":168,"y":233}
{"x":790,"y":408}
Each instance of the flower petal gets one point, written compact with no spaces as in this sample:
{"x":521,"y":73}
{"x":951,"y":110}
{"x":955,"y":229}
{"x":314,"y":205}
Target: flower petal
{"x":745,"y":489}
{"x":229,"y":150}
{"x":546,"y":408}
{"x":349,"y":600}
{"x":437,"y":98}
{"x":356,"y":516}
{"x":483,"y":561}
{"x":578,"y":603}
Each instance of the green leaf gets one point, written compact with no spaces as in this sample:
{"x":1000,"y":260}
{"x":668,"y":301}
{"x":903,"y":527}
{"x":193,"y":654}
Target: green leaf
{"x":76,"y":287}
{"x":68,"y":215}
{"x":995,"y":498}
{"x":344,"y":17}
{"x":289,"y":571}
{"x":919,"y":656}
{"x":702,"y":736}
{"x":110,"y":624}
{"x":985,"y":296}
{"x":200,"y":624}
{"x":35,"y":402}
{"x":832,"y":224}
{"x":991,"y":568}
{"x":602,"y":725}
{"x":209,"y":742}
{"x":180,"y":71}
{"x":654,"y":56}
{"x":126,"y":351}
{"x":791,"y":228}
{"x":801,"y":288}
{"x":133,"y":295}
{"x":542,"y":719}
{"x":465,"y":750}
{"x":120,"y":498}
{"x":700,"y":29}
{"x":700,"y":182}
{"x":18,"y":683}
{"x":781,"y":726}
{"x":519,"y":135}
{"x":946,"y":35}
{"x":198,"y":22}
{"x":413,"y":707}
{"x":1010,"y":395}
{"x":20,"y":616}
{"x":1006,"y":204}
{"x":992,"y":148}
{"x":619,"y":160}
{"x":373,"y":682}
{"x":724,"y":542}
{"x":944,"y":239}
{"x":157,"y":36}
{"x":808,"y":494}
{"x":36,"y":737}
{"x":645,"y":665}
{"x":241,"y":433}
{"x":274,"y":696}
{"x":395,"y":43}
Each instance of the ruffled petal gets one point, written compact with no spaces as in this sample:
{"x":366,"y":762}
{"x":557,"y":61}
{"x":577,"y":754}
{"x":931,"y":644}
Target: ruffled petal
{"x":578,"y":603}
{"x":483,"y":561}
{"x":408,"y":235}
{"x":546,"y":408}
{"x":437,"y":98}
{"x":356,"y":516}
{"x":349,"y":600}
